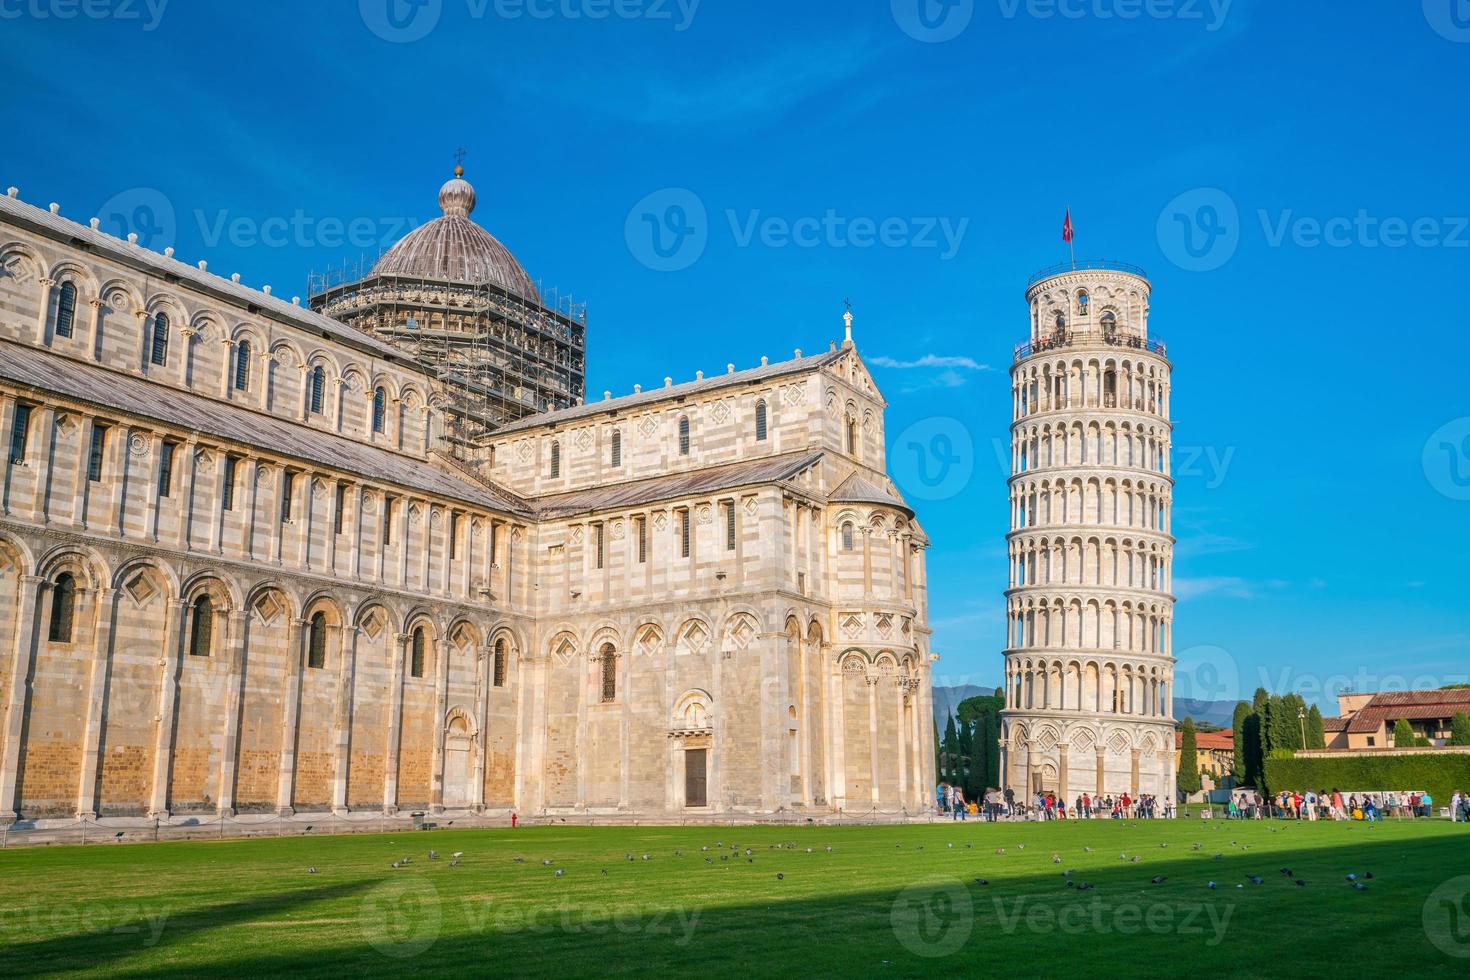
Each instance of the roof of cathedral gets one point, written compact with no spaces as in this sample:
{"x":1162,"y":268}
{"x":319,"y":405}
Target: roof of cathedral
{"x":168,"y":268}
{"x":636,"y":493}
{"x":454,"y":248}
{"x":700,"y":386}
{"x":857,"y":489}
{"x":111,"y":389}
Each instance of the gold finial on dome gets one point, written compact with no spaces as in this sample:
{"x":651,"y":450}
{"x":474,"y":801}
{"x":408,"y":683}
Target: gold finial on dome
{"x":459,"y":156}
{"x":459,"y":170}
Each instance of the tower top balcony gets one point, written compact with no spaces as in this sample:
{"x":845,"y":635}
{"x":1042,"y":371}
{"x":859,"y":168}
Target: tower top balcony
{"x":1098,"y":301}
{"x":1086,"y":265}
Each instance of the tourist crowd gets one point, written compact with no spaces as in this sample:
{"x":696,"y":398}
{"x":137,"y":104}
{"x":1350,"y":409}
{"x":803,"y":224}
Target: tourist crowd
{"x":1336,"y":805}
{"x":995,"y":804}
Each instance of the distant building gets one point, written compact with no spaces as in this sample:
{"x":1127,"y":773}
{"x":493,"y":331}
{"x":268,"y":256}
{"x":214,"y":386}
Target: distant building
{"x":1366,"y":721}
{"x":1214,"y":751}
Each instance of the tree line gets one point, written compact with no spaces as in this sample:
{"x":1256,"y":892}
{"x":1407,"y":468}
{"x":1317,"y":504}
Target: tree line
{"x":968,"y":756}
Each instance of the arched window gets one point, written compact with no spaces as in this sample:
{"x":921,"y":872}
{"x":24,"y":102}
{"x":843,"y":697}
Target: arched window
{"x":555,"y":460}
{"x":66,"y":309}
{"x":63,"y":608}
{"x":1109,"y":323}
{"x":683,"y":435}
{"x":851,"y":437}
{"x":201,"y":635}
{"x":380,"y":408}
{"x":316,"y":655}
{"x":416,"y":654}
{"x":760,"y":421}
{"x":158,"y":353}
{"x":609,"y":673}
{"x":499,"y":675}
{"x":242,"y":366}
{"x":617,"y":448}
{"x":847,"y":536}
{"x":318,"y":388}
{"x":1061,"y":322}
{"x":1082,"y":301}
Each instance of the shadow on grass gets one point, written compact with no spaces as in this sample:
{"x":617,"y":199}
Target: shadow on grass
{"x":125,"y":928}
{"x":933,"y":918}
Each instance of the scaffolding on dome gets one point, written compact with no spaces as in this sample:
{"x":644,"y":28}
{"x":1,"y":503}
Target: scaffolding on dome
{"x":496,"y":357}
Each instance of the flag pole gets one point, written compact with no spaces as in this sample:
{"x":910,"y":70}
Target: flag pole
{"x":1071,"y":247}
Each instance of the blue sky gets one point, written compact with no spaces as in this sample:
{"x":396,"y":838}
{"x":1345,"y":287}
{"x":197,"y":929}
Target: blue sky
{"x":917,"y":161}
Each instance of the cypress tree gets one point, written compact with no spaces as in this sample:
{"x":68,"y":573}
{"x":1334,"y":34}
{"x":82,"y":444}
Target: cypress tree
{"x":965,"y":756}
{"x":1316,"y":731}
{"x":1237,"y":729}
{"x":951,"y":751}
{"x":1403,"y":734}
{"x":1189,"y":781}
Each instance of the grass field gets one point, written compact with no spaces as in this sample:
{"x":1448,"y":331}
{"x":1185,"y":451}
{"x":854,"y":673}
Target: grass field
{"x":899,"y":901}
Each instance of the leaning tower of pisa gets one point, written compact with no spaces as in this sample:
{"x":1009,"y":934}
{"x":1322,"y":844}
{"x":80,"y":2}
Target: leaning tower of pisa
{"x":1088,"y":665}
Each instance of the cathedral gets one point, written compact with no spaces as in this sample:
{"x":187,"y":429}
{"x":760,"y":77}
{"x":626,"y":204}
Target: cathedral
{"x":378,"y":554}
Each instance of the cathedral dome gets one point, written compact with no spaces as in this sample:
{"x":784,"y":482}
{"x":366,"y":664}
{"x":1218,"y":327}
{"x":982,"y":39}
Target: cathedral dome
{"x":454,"y":248}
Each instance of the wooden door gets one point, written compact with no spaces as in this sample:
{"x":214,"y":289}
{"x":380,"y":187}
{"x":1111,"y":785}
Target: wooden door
{"x":695,"y":781}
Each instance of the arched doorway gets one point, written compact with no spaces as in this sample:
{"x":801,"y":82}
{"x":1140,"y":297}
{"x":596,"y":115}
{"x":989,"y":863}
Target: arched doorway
{"x":459,"y":753}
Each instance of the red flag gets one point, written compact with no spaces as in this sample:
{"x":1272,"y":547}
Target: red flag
{"x":1067,"y":228}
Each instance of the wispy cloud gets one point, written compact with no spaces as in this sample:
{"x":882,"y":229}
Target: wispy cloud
{"x":932,"y":370}
{"x":754,"y":91}
{"x":930,"y":361}
{"x":1228,"y":586}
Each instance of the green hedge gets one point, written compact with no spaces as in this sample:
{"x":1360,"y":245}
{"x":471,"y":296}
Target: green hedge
{"x":1439,"y":774}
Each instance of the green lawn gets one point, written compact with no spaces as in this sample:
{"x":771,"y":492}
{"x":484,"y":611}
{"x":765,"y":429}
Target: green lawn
{"x":895,"y":901}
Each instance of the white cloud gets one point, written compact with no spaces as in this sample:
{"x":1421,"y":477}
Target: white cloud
{"x":931,"y":361}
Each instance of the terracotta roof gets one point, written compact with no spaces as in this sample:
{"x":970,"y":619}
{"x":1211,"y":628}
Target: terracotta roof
{"x":751,"y":375}
{"x":638,"y":492}
{"x":18,"y":212}
{"x":108,"y":389}
{"x":1387,"y":707}
{"x":858,"y":490}
{"x":1213,"y":741}
{"x":1335,"y":724}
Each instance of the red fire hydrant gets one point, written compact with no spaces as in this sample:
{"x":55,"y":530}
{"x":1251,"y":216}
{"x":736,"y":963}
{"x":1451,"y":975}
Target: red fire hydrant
{"x":512,"y":821}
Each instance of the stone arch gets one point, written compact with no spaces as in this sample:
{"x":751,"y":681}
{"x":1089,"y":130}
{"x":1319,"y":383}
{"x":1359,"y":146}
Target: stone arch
{"x":742,"y":628}
{"x":69,"y":269}
{"x":648,"y":638}
{"x":460,"y":721}
{"x":563,"y":648}
{"x":17,"y":255}
{"x":693,"y":711}
{"x":84,"y":563}
{"x":694,"y":635}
